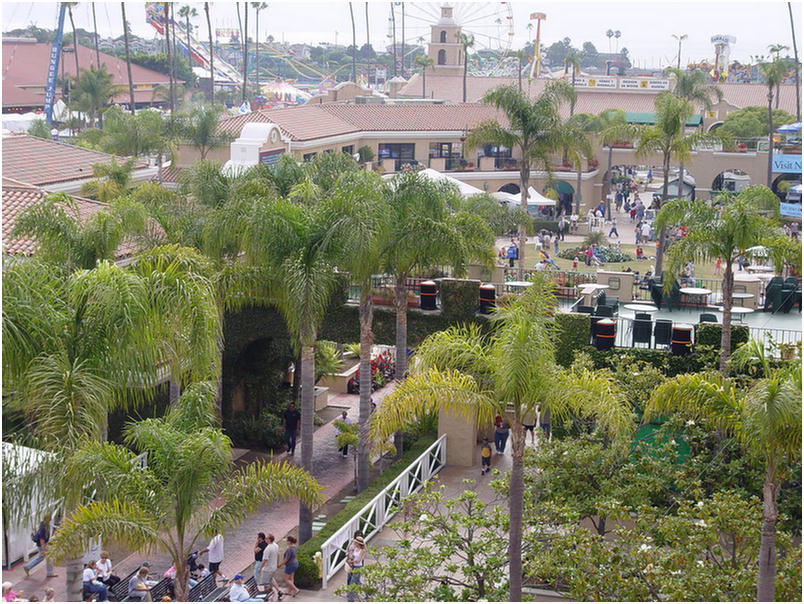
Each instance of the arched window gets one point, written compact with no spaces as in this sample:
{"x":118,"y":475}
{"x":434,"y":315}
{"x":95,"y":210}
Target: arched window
{"x":443,"y":37}
{"x":442,"y":57}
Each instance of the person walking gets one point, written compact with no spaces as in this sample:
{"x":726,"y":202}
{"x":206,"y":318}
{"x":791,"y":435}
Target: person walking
{"x":512,"y":254}
{"x":501,"y":433}
{"x":215,"y":549}
{"x":290,"y":422}
{"x":529,"y":423}
{"x":485,"y":456}
{"x":613,"y":229}
{"x":562,"y":227}
{"x":345,"y":448}
{"x":718,"y":266}
{"x":291,"y":564}
{"x":259,"y":550}
{"x":41,"y":537}
{"x":354,"y":563}
{"x":270,"y":557}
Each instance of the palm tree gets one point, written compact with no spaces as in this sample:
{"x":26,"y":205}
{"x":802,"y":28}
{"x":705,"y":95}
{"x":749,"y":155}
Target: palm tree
{"x":765,"y":417}
{"x":609,"y":125}
{"x":467,"y":41}
{"x":258,"y":6}
{"x":609,"y":34}
{"x":617,"y":35}
{"x":70,"y":6}
{"x":357,"y":213}
{"x":577,"y":144}
{"x":173,"y":502}
{"x":110,"y":181}
{"x":533,"y":130}
{"x":776,"y":50}
{"x":77,"y":345}
{"x":795,"y":58}
{"x":354,"y":44}
{"x":423,"y":62}
{"x":95,"y":36}
{"x":667,"y":138}
{"x":188,"y":12}
{"x":93,"y":91}
{"x":245,"y":48}
{"x":724,"y":230}
{"x":573,"y":59}
{"x":696,"y":87}
{"x":211,"y":55}
{"x":773,"y":73}
{"x":128,"y":57}
{"x":166,"y":9}
{"x":510,"y":371}
{"x":200,"y":129}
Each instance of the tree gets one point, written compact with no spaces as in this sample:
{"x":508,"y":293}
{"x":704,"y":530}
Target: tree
{"x":773,"y":73}
{"x":70,"y":6}
{"x":166,"y":13}
{"x":110,"y":181}
{"x":795,"y":59}
{"x":466,"y":41}
{"x":725,"y":229}
{"x":423,"y":62}
{"x":211,"y":56}
{"x":128,"y":56}
{"x":510,"y":371}
{"x":609,"y":126}
{"x":590,"y":57}
{"x":258,"y":6}
{"x":573,"y":59}
{"x":577,"y":145}
{"x":245,"y":48}
{"x":765,"y":417}
{"x":188,"y":12}
{"x":40,"y":129}
{"x":93,"y":91}
{"x":532,"y":130}
{"x":172,"y":503}
{"x":200,"y":129}
{"x":752,"y":122}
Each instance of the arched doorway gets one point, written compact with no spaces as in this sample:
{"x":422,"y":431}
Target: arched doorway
{"x":715,"y":126}
{"x":511,"y":188}
{"x":733,"y":180}
{"x":566,"y":196}
{"x":782,"y":184}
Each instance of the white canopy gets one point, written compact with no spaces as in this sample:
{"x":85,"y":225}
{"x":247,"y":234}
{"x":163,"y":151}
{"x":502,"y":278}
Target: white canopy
{"x":435,"y":175}
{"x":534,"y":198}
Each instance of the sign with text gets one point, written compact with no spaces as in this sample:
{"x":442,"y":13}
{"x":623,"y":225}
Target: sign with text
{"x":791,"y":210}
{"x":787,"y":164}
{"x":592,"y":82}
{"x":644,"y":84}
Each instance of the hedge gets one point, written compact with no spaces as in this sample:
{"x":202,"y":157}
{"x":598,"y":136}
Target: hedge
{"x":709,"y":334}
{"x":704,"y":358}
{"x":307,"y":575}
{"x":547,"y":225}
{"x":573,"y":335}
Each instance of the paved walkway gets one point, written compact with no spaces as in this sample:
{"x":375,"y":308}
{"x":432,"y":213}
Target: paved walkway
{"x":332,"y":471}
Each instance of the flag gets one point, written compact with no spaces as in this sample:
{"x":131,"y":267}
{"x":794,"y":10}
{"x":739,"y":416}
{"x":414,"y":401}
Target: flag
{"x":244,"y":108}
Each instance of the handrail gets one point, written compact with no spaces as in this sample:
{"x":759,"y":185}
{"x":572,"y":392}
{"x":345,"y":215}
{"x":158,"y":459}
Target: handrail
{"x":379,"y":511}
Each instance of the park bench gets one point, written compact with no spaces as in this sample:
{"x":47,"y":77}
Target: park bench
{"x":202,"y":589}
{"x":119,"y":590}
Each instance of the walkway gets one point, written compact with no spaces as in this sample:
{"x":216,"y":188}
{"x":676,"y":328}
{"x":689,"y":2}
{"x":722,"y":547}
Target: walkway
{"x":331,"y":470}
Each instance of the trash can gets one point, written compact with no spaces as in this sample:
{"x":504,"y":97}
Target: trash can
{"x":427,"y":297}
{"x":605,"y":331}
{"x":681,"y":343}
{"x":488,"y":297}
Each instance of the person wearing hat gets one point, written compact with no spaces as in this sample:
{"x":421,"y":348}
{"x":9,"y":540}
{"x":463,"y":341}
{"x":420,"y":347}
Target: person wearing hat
{"x":485,"y":456}
{"x":138,"y":588}
{"x":238,"y":592}
{"x":354,"y":563}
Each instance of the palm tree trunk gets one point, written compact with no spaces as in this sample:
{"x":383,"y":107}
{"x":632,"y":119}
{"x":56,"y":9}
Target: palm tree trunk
{"x":524,"y":178}
{"x":245,"y":50}
{"x":770,"y":137}
{"x":680,"y":179}
{"x":75,"y":41}
{"x":128,"y":60}
{"x":424,"y":94}
{"x":519,"y":73}
{"x":257,"y":49}
{"x":170,"y":63}
{"x":182,"y":581}
{"x":608,"y":187}
{"x":174,"y":388}
{"x":516,"y":493}
{"x":578,"y":195}
{"x":73,"y":570}
{"x":725,"y":335}
{"x":393,"y":33}
{"x":174,"y":49}
{"x":795,"y":55}
{"x":307,"y":412}
{"x":159,"y":175}
{"x":95,"y":27}
{"x":401,"y":306}
{"x":366,"y":342}
{"x":465,"y":70}
{"x":354,"y":44}
{"x":766,"y":579}
{"x":211,"y":54}
{"x":665,"y":184}
{"x":403,"y":39}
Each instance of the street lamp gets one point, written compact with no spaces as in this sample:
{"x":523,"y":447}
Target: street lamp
{"x":680,"y":38}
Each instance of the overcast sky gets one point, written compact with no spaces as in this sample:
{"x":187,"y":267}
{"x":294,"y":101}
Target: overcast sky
{"x":646,"y":26}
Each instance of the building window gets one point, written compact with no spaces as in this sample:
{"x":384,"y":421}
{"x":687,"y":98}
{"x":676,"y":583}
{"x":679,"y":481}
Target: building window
{"x":442,"y":57}
{"x":452,"y":152}
{"x":309,"y":156}
{"x":443,"y":37}
{"x":403,"y":153}
{"x":498,"y":152}
{"x":350,"y":149}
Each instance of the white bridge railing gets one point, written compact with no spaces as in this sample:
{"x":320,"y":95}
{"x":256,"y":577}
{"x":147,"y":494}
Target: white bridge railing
{"x":379,"y":511}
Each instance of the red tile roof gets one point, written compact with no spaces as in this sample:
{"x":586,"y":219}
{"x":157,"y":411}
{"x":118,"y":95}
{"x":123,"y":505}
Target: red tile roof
{"x":25,"y":68}
{"x":42,"y":162}
{"x":18,"y":196}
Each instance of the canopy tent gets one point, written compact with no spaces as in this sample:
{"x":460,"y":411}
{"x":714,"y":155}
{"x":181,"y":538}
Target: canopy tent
{"x":435,"y":175}
{"x":534,"y":198}
{"x":790,"y":128}
{"x":284,"y":92}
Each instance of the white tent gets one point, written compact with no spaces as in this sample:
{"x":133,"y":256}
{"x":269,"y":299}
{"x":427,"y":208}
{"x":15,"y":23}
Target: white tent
{"x":534,"y":198}
{"x":435,"y":175}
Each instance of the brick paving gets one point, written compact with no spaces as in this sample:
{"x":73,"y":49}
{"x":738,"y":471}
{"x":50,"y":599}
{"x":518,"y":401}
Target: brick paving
{"x":331,"y":470}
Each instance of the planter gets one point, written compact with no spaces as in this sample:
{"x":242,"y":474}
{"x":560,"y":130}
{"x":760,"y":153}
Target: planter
{"x":566,"y":292}
{"x":385,"y":300}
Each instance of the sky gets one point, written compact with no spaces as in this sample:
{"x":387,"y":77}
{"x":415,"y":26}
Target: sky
{"x":646,"y":26}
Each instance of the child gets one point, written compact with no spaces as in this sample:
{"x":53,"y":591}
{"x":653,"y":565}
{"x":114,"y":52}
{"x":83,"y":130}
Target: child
{"x":575,"y":263}
{"x":485,"y":456}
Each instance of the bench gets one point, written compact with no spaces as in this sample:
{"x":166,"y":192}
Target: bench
{"x":119,"y":590}
{"x":158,"y":591}
{"x":202,"y":589}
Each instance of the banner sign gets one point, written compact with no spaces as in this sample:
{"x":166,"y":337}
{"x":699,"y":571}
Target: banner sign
{"x":53,"y":69}
{"x":644,"y":84}
{"x":593,"y":82}
{"x":791,"y":210}
{"x":787,"y":164}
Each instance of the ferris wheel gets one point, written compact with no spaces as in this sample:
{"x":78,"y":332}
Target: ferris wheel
{"x":491,"y":24}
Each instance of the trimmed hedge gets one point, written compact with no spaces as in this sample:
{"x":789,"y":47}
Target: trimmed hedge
{"x":460,"y":299}
{"x":709,"y":334}
{"x":573,"y":335}
{"x":547,"y":225}
{"x":704,"y":358}
{"x":307,"y":575}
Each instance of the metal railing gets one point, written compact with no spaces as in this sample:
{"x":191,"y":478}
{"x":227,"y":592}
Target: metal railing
{"x":379,"y":511}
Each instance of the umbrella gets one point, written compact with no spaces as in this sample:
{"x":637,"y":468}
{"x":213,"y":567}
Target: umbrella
{"x":758,"y":250}
{"x":790,"y":128}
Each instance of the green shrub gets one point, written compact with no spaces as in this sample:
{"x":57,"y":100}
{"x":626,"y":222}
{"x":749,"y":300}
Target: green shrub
{"x":548,"y":225}
{"x":709,"y":334}
{"x":704,"y":358}
{"x":460,"y":299}
{"x":307,"y":575}
{"x":605,"y":253}
{"x":573,"y":335}
{"x":594,"y":238}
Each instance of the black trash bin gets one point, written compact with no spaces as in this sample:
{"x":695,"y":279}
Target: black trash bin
{"x":606,"y":330}
{"x":681,"y":343}
{"x":488,"y":297}
{"x":427,"y":297}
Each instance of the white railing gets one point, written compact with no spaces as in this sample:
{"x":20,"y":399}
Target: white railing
{"x":379,"y":511}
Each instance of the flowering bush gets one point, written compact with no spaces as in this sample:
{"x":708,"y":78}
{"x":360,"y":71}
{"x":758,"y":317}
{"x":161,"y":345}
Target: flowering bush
{"x":382,"y":370}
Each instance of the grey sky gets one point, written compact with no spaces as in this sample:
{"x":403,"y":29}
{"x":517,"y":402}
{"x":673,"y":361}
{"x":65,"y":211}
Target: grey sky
{"x":646,"y":26}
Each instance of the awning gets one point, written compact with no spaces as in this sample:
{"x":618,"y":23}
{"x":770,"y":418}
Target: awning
{"x":649,"y":119}
{"x":790,"y":128}
{"x":534,"y":198}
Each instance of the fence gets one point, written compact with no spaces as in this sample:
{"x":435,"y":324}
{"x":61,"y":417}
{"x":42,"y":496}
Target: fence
{"x":379,"y":511}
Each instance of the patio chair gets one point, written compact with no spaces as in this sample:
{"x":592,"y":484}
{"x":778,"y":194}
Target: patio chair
{"x":773,"y":297}
{"x":707,"y":318}
{"x":641,"y":332}
{"x":788,"y":298}
{"x":613,"y":301}
{"x":643,"y":316}
{"x":585,"y":309}
{"x":662,"y":333}
{"x":604,"y":311}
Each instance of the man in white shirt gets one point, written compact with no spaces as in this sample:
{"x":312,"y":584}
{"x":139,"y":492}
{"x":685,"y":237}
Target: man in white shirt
{"x":215,"y":549}
{"x":239,"y":593}
{"x":270,"y":557}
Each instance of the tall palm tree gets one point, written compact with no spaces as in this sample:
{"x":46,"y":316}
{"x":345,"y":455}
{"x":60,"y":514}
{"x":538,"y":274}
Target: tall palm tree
{"x":245,"y":50}
{"x":200,"y":129}
{"x":94,"y":90}
{"x":773,"y":73}
{"x":466,"y":41}
{"x":617,"y":35}
{"x":188,"y":12}
{"x":354,"y":44}
{"x":533,"y":131}
{"x":573,"y":60}
{"x":211,"y":56}
{"x":609,"y":34}
{"x":95,"y":35}
{"x":795,"y":58}
{"x":577,"y":143}
{"x":724,"y":230}
{"x":423,"y":62}
{"x":765,"y":417}
{"x":609,"y":124}
{"x":128,"y":58}
{"x":696,"y":87}
{"x":173,"y":502}
{"x":257,"y":6}
{"x":776,"y":50}
{"x":511,"y":371}
{"x":70,"y":6}
{"x":166,"y":8}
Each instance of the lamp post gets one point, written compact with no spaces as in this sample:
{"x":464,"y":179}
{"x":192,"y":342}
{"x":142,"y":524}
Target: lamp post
{"x":680,"y":38}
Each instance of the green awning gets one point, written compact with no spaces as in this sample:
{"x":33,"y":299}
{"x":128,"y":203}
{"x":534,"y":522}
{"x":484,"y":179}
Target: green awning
{"x":636,"y":117}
